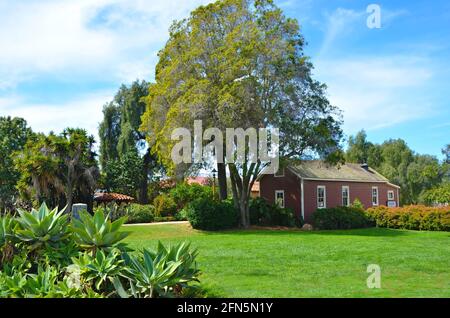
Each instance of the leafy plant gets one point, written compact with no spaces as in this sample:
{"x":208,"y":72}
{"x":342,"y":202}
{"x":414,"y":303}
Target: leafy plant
{"x":340,"y":218}
{"x":101,"y":268}
{"x":209,"y":214}
{"x":97,"y":231}
{"x":411,"y":217}
{"x":164,"y":205}
{"x":357,"y":204}
{"x":138,"y":213}
{"x":184,"y":193}
{"x":263,"y":213}
{"x":42,"y":226}
{"x":8,"y":226}
{"x":164,"y":272}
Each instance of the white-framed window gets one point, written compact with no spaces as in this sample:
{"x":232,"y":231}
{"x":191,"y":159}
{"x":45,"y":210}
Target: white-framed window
{"x":279,"y":198}
{"x":374,"y":195}
{"x":345,"y":196}
{"x":280,"y":172}
{"x":390,"y":195}
{"x":321,"y":197}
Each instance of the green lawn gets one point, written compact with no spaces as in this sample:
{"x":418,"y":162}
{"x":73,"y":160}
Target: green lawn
{"x":265,"y":263}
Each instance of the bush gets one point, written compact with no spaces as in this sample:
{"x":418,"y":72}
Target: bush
{"x":357,"y":204}
{"x":265,"y":214}
{"x":208,"y":214}
{"x":138,"y":213}
{"x":412,"y":217}
{"x":164,"y":205}
{"x":340,"y":218}
{"x":185,"y":193}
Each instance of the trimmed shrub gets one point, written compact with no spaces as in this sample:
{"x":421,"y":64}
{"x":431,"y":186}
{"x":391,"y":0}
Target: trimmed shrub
{"x":164,"y":205}
{"x":138,"y":213}
{"x":412,"y":217}
{"x":340,"y":218}
{"x":210,"y":215}
{"x":265,"y":214}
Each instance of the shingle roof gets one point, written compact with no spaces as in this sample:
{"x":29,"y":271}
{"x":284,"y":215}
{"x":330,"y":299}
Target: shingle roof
{"x":316,"y":169}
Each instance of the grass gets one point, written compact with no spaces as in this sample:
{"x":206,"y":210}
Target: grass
{"x":268,"y":263}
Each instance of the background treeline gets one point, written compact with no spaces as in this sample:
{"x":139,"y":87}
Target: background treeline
{"x":423,"y":178}
{"x":64,"y":168}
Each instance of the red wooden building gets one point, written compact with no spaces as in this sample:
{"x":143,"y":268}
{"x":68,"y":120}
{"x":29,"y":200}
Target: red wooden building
{"x":313,"y":185}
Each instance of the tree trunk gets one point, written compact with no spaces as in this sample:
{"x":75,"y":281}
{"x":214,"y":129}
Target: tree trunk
{"x":241,"y":189}
{"x":69,"y":198}
{"x":143,"y":190}
{"x":222,"y":179}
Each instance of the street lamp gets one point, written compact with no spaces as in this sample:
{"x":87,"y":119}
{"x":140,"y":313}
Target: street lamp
{"x":214,"y":171}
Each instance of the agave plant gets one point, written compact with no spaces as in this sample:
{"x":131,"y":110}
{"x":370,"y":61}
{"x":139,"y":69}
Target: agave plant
{"x":97,"y":232}
{"x":42,"y":226}
{"x":8,"y":227}
{"x":161,"y":273}
{"x":101,"y":268}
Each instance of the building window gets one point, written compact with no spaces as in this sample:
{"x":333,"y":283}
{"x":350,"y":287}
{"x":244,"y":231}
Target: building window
{"x":321,"y":197}
{"x":280,"y":172}
{"x":374,"y":195}
{"x":390,"y":195}
{"x":279,"y":198}
{"x":345,"y":196}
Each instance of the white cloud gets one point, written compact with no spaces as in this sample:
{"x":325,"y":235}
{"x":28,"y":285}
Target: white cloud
{"x":346,"y":22}
{"x":104,"y":40}
{"x":376,"y":92}
{"x":83,"y":112}
{"x":83,"y":37}
{"x":338,"y":22}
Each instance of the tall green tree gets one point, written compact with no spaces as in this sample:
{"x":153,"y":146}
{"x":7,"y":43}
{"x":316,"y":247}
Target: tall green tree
{"x":124,"y":175}
{"x":58,"y":168}
{"x":233,"y":64}
{"x":360,"y":150}
{"x":120,"y":137}
{"x":394,"y":159}
{"x":14,"y":133}
{"x":109,"y":132}
{"x":446,"y":153}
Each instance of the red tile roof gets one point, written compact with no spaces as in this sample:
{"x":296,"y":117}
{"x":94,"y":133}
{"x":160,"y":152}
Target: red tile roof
{"x":110,"y":197}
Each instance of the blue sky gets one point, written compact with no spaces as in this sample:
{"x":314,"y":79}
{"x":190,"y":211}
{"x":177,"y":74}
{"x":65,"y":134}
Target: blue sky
{"x":61,"y":61}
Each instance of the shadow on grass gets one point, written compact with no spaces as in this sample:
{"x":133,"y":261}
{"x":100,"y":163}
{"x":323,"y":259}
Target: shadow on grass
{"x":370,"y":232}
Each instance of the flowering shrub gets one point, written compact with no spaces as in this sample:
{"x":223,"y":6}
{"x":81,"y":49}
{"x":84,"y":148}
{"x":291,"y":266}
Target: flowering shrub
{"x":412,"y":217}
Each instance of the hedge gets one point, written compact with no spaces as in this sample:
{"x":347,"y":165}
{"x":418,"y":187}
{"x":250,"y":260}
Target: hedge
{"x":412,"y":217}
{"x":209,"y":214}
{"x":340,"y":218}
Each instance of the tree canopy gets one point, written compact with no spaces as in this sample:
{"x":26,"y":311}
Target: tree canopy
{"x":233,"y":64}
{"x":394,"y":159}
{"x":125,"y":158}
{"x":14,"y":133}
{"x":58,"y":168}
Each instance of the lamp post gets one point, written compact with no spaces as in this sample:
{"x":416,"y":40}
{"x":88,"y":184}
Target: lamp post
{"x":214,"y":171}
